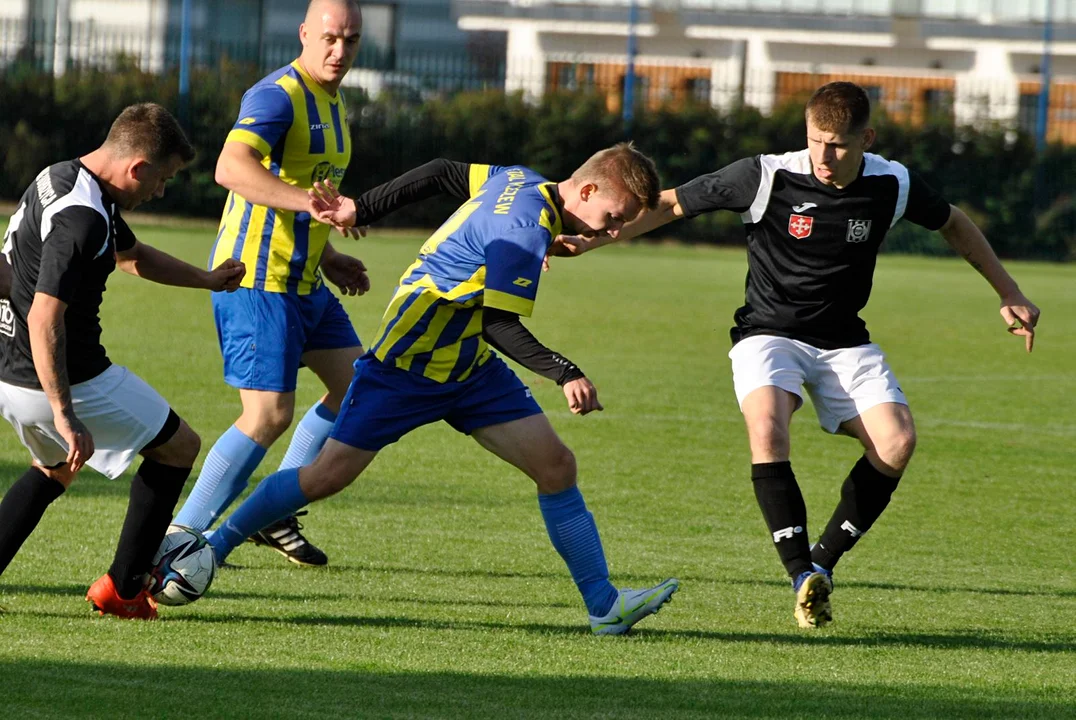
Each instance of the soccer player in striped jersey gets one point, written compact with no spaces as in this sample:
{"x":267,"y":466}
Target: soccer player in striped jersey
{"x":433,"y":359}
{"x":291,"y":132}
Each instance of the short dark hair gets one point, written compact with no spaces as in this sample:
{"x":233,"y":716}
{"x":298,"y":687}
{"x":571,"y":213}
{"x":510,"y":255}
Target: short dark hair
{"x":624,"y":164}
{"x":149,"y":130}
{"x":840,"y":107}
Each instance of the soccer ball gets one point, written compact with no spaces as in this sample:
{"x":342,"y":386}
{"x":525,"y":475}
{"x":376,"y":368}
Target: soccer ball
{"x":183,"y":567}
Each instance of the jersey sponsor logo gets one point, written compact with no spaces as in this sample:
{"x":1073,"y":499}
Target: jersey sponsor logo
{"x":326,"y":171}
{"x":858,"y":231}
{"x":248,"y":121}
{"x":799,"y":226}
{"x":522,"y":282}
{"x":320,"y":126}
{"x":787,"y":533}
{"x":7,"y":319}
{"x":527,"y":392}
{"x":804,"y":207}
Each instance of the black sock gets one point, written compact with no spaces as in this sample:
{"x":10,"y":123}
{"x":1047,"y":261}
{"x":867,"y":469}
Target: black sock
{"x":21,"y":510}
{"x":785,"y":513}
{"x":154,"y":493}
{"x":864,"y":496}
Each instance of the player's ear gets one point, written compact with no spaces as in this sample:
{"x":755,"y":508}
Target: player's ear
{"x":868,"y":138}
{"x":586,"y":190}
{"x":302,"y":33}
{"x":136,"y":170}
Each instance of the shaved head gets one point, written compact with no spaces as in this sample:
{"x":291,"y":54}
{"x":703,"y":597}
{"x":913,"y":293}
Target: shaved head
{"x":330,"y":36}
{"x":318,"y":6}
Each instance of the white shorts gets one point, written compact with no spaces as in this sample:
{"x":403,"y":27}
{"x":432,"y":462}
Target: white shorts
{"x":842,"y":383}
{"x":121,"y":411}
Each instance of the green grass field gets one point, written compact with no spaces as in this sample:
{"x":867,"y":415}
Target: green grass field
{"x":444,"y":597}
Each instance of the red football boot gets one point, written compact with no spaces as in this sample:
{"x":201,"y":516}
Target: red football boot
{"x":105,"y":600}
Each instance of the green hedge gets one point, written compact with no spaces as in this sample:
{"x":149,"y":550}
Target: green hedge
{"x":993,"y":174}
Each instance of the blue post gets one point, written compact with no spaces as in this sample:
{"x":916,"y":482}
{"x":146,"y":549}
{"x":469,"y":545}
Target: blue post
{"x":629,"y":78}
{"x":185,"y":67}
{"x":1042,"y":120}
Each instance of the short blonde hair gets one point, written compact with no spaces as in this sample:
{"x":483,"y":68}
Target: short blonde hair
{"x":625,"y":165}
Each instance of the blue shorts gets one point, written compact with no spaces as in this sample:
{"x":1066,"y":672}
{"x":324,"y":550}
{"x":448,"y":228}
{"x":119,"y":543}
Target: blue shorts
{"x":263,"y":335}
{"x":385,"y":403}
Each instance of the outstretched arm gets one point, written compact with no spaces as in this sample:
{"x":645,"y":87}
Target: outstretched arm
{"x":437,"y":177}
{"x":964,"y":236}
{"x":150,"y":263}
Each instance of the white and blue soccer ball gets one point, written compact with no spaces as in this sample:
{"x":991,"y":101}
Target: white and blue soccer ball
{"x":183,"y":567}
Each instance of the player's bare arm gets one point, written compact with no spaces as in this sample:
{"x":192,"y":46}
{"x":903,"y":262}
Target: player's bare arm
{"x":240,"y":169}
{"x":1017,"y":310}
{"x":48,"y":345}
{"x":149,"y":263}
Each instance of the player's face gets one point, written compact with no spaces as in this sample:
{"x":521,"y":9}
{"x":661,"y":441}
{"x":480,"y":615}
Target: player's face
{"x":330,"y":38}
{"x":836,"y":156}
{"x":602,"y":210}
{"x":148,"y":180}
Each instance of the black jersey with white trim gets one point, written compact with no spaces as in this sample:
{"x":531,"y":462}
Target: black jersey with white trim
{"x":811,"y":248}
{"x":61,"y":241}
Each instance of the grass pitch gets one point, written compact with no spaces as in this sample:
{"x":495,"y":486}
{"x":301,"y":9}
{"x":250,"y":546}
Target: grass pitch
{"x":444,"y":597}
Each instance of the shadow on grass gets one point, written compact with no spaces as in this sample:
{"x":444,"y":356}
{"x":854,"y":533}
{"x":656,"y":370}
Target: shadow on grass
{"x":79,"y":689}
{"x":825,"y":638}
{"x":638,"y":580}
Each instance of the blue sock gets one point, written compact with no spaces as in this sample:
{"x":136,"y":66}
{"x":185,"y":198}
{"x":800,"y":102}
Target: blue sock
{"x":575,"y":536}
{"x":309,"y":437}
{"x":277,"y":496}
{"x":224,"y":475}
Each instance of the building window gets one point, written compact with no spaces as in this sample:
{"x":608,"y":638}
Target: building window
{"x":1028,"y":115}
{"x":939,"y":103}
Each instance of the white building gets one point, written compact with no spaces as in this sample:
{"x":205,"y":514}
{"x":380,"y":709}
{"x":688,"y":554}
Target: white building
{"x":977,"y":59}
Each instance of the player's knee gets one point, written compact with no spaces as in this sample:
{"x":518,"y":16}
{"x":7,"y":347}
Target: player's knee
{"x":894,"y":450}
{"x":559,"y":472}
{"x":274,"y":421}
{"x":769,"y":439}
{"x":179,"y":450}
{"x":61,"y":474}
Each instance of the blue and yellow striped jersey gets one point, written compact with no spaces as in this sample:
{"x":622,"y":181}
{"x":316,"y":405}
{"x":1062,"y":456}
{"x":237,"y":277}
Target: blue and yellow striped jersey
{"x":488,"y":254}
{"x":303,"y":134}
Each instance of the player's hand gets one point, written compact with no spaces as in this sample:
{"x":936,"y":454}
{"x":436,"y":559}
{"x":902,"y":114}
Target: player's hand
{"x":332,"y":208}
{"x":1022,"y":316}
{"x":78,"y":439}
{"x":227,"y":276}
{"x":582,"y":396}
{"x":345,"y":272}
{"x":571,"y":245}
{"x":359,"y":231}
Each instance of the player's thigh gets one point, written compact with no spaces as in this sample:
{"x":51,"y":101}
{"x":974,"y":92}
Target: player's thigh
{"x":847,"y":382}
{"x":331,"y":344}
{"x":261,"y":335}
{"x":336,"y":466}
{"x":123,"y":413}
{"x":334,"y":367}
{"x":532,"y":445}
{"x":29,"y":413}
{"x":385,"y":403}
{"x":887,"y":433}
{"x":768,"y":361}
{"x":175,"y":445}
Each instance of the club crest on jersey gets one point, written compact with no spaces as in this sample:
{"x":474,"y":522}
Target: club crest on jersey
{"x":858,"y":231}
{"x":799,"y":226}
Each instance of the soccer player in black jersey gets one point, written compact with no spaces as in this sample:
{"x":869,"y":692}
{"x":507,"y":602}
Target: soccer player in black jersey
{"x":815,"y":220}
{"x":66,"y":400}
